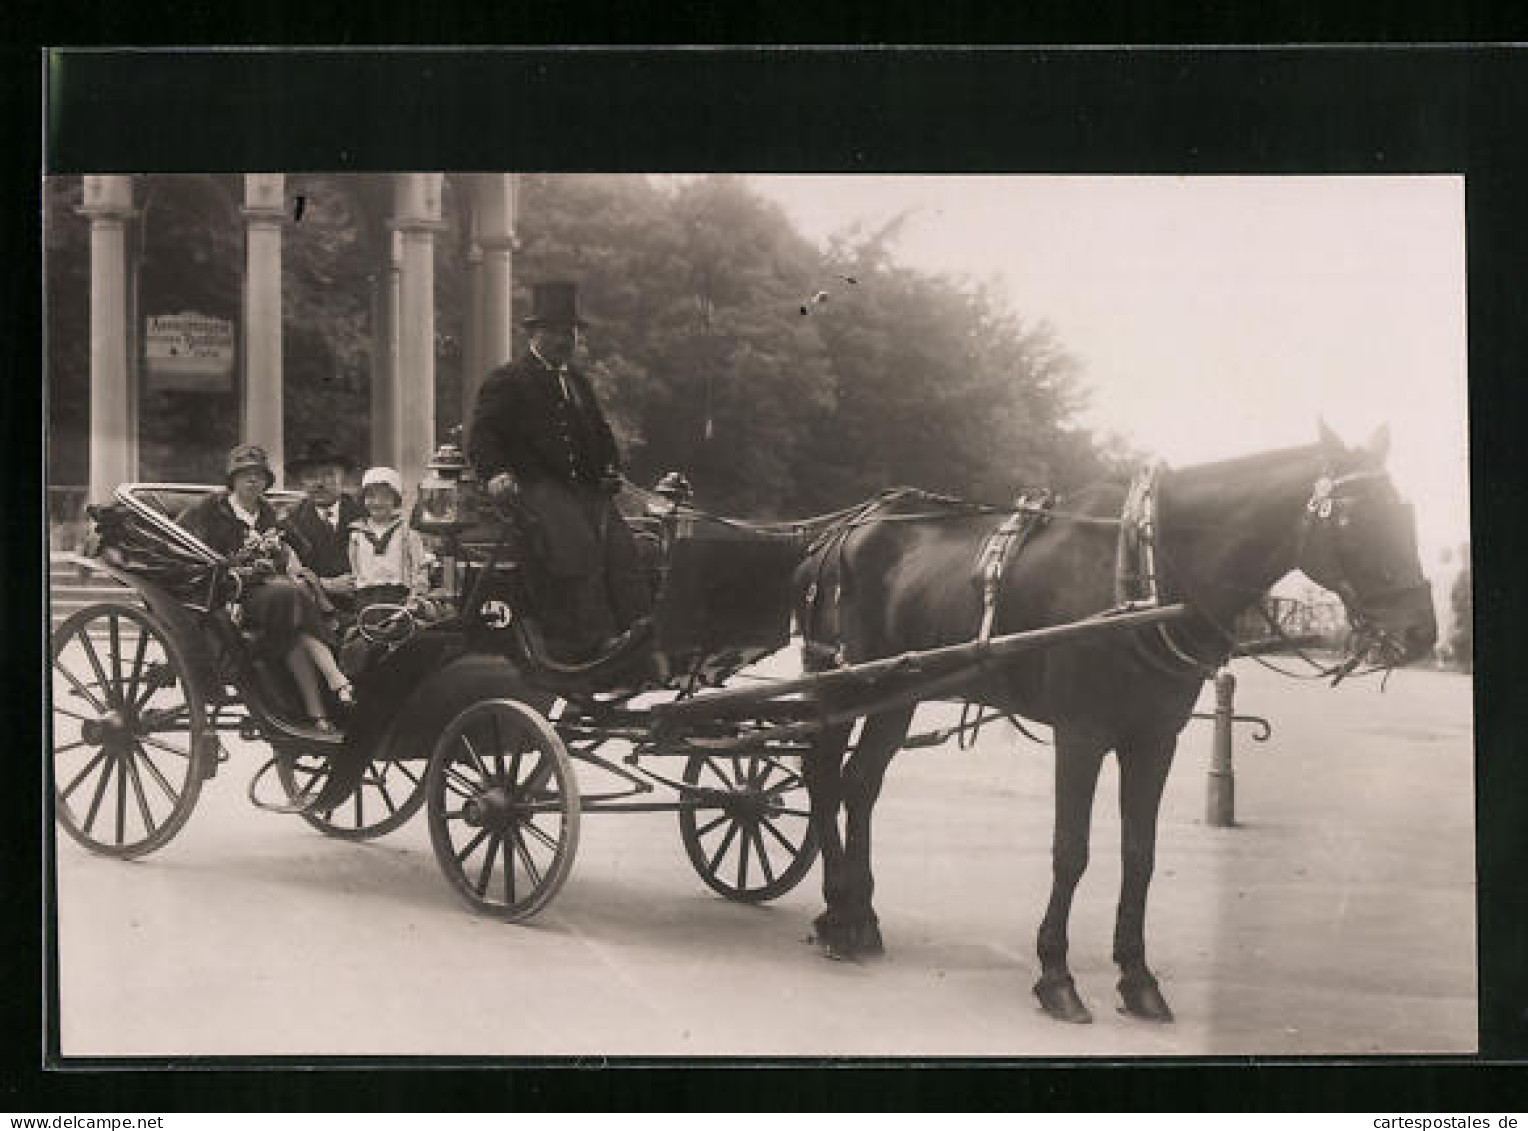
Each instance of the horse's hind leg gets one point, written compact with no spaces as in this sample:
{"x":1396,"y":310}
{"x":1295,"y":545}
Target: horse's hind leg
{"x":1078,"y":758}
{"x":822,"y":768}
{"x":1143,"y":768}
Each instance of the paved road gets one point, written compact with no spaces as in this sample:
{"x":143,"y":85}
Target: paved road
{"x":1337,"y":918}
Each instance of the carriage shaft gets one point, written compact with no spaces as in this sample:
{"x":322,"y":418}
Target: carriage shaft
{"x":932,"y":662}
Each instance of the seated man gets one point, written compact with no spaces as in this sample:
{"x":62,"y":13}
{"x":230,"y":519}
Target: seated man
{"x":320,"y":525}
{"x":540,"y":439}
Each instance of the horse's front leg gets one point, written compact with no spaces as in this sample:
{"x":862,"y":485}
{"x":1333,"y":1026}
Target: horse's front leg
{"x":822,"y":768}
{"x":857,"y":929}
{"x":1143,"y":769}
{"x":1078,"y":758}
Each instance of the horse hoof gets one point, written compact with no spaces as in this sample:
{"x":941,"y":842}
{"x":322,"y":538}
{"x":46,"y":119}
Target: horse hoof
{"x":847,"y":941}
{"x":1059,"y":1000}
{"x":1144,"y":1000}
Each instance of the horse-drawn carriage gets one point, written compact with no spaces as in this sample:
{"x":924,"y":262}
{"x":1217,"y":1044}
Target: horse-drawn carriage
{"x":469,"y":715}
{"x":1101,"y":619}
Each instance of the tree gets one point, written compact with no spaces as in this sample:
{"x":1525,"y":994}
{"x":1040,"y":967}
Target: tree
{"x":1461,"y":640}
{"x":784,"y":379}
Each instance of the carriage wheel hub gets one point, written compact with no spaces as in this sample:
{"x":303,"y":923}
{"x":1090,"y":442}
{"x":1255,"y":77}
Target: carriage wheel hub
{"x":108,"y":728}
{"x":490,"y":809}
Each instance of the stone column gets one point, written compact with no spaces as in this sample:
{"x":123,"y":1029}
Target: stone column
{"x":494,"y":206}
{"x":385,"y":375}
{"x":108,"y":201}
{"x":416,"y":218}
{"x":472,"y":323}
{"x":260,"y":417}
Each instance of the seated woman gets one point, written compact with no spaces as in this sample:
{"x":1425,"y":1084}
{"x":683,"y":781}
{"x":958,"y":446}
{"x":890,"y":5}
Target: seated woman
{"x":284,"y":603}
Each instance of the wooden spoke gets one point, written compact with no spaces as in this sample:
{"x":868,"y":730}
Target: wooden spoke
{"x":80,"y":687}
{"x":95,"y":804}
{"x":464,"y":788}
{"x":143,"y":801}
{"x":540,"y":834}
{"x":155,"y":773}
{"x":711,"y":824}
{"x":524,"y":853}
{"x":143,"y":647}
{"x":759,"y":850}
{"x":113,"y":694}
{"x":461,"y":856}
{"x":742,"y":862}
{"x":726,"y":843}
{"x":785,"y":843}
{"x":165,"y":746}
{"x":71,"y":713}
{"x":83,"y":774}
{"x":124,"y":760}
{"x":476,"y":760}
{"x":68,"y":746}
{"x":116,"y":655}
{"x":487,"y":873}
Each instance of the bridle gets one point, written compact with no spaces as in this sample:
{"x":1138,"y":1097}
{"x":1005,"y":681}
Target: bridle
{"x":1325,"y":517}
{"x":1328,"y":513}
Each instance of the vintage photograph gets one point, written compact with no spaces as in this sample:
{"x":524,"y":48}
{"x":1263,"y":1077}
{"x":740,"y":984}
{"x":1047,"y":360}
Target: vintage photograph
{"x":582,"y":615}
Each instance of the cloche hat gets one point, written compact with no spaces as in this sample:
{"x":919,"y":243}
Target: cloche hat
{"x":385,"y":476}
{"x":249,"y":457}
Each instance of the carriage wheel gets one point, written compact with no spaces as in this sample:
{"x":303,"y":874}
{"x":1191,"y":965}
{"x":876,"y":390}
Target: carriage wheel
{"x":751,"y":840}
{"x":504,"y":808}
{"x":129,"y":731}
{"x":388,"y":794}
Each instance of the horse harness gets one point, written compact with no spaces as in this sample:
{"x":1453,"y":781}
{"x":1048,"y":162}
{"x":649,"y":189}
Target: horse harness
{"x":822,"y":628}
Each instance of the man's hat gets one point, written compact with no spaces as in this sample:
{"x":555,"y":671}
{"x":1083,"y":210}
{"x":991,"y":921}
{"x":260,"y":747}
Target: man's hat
{"x":249,"y":457}
{"x":554,"y":304}
{"x":319,"y":451}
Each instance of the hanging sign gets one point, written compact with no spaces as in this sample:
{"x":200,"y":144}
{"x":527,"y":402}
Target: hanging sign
{"x":189,"y":353}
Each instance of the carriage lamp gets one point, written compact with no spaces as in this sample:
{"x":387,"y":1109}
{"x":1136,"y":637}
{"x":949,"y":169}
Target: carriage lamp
{"x":447,"y":506}
{"x":446,"y":498}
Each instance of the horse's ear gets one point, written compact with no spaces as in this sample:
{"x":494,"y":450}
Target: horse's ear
{"x":1378,"y":446}
{"x":1330,"y":441}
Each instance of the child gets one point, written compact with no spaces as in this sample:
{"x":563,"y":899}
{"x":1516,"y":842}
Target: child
{"x":387,"y":558}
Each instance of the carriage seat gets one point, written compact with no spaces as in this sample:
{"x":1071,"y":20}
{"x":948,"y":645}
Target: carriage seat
{"x":173,"y":500}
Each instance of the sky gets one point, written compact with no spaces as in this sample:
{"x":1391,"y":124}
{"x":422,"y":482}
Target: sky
{"x":1216,"y":316}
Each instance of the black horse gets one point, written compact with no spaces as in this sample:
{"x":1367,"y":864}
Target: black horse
{"x":1222,"y":534}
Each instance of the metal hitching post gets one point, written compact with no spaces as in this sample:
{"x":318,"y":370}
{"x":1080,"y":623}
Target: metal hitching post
{"x":1221,"y":797}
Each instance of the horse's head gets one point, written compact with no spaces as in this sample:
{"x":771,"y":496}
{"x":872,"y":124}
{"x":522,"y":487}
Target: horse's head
{"x":1358,"y":539}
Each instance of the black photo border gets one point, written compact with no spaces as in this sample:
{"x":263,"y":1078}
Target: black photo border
{"x":1193,"y":110}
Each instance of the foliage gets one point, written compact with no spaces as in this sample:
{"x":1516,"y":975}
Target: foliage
{"x":782,"y":378}
{"x":1461,"y":637}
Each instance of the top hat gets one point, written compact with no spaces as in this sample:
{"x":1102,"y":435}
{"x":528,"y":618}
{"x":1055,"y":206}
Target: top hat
{"x":319,"y":451}
{"x":554,"y":304}
{"x":249,"y":457}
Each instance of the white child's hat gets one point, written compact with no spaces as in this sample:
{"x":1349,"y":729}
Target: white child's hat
{"x":385,"y":476}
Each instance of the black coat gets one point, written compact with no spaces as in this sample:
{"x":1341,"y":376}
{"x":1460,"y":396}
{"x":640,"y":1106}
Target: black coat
{"x":213,"y":521}
{"x":524,"y":424}
{"x":323,"y":549}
